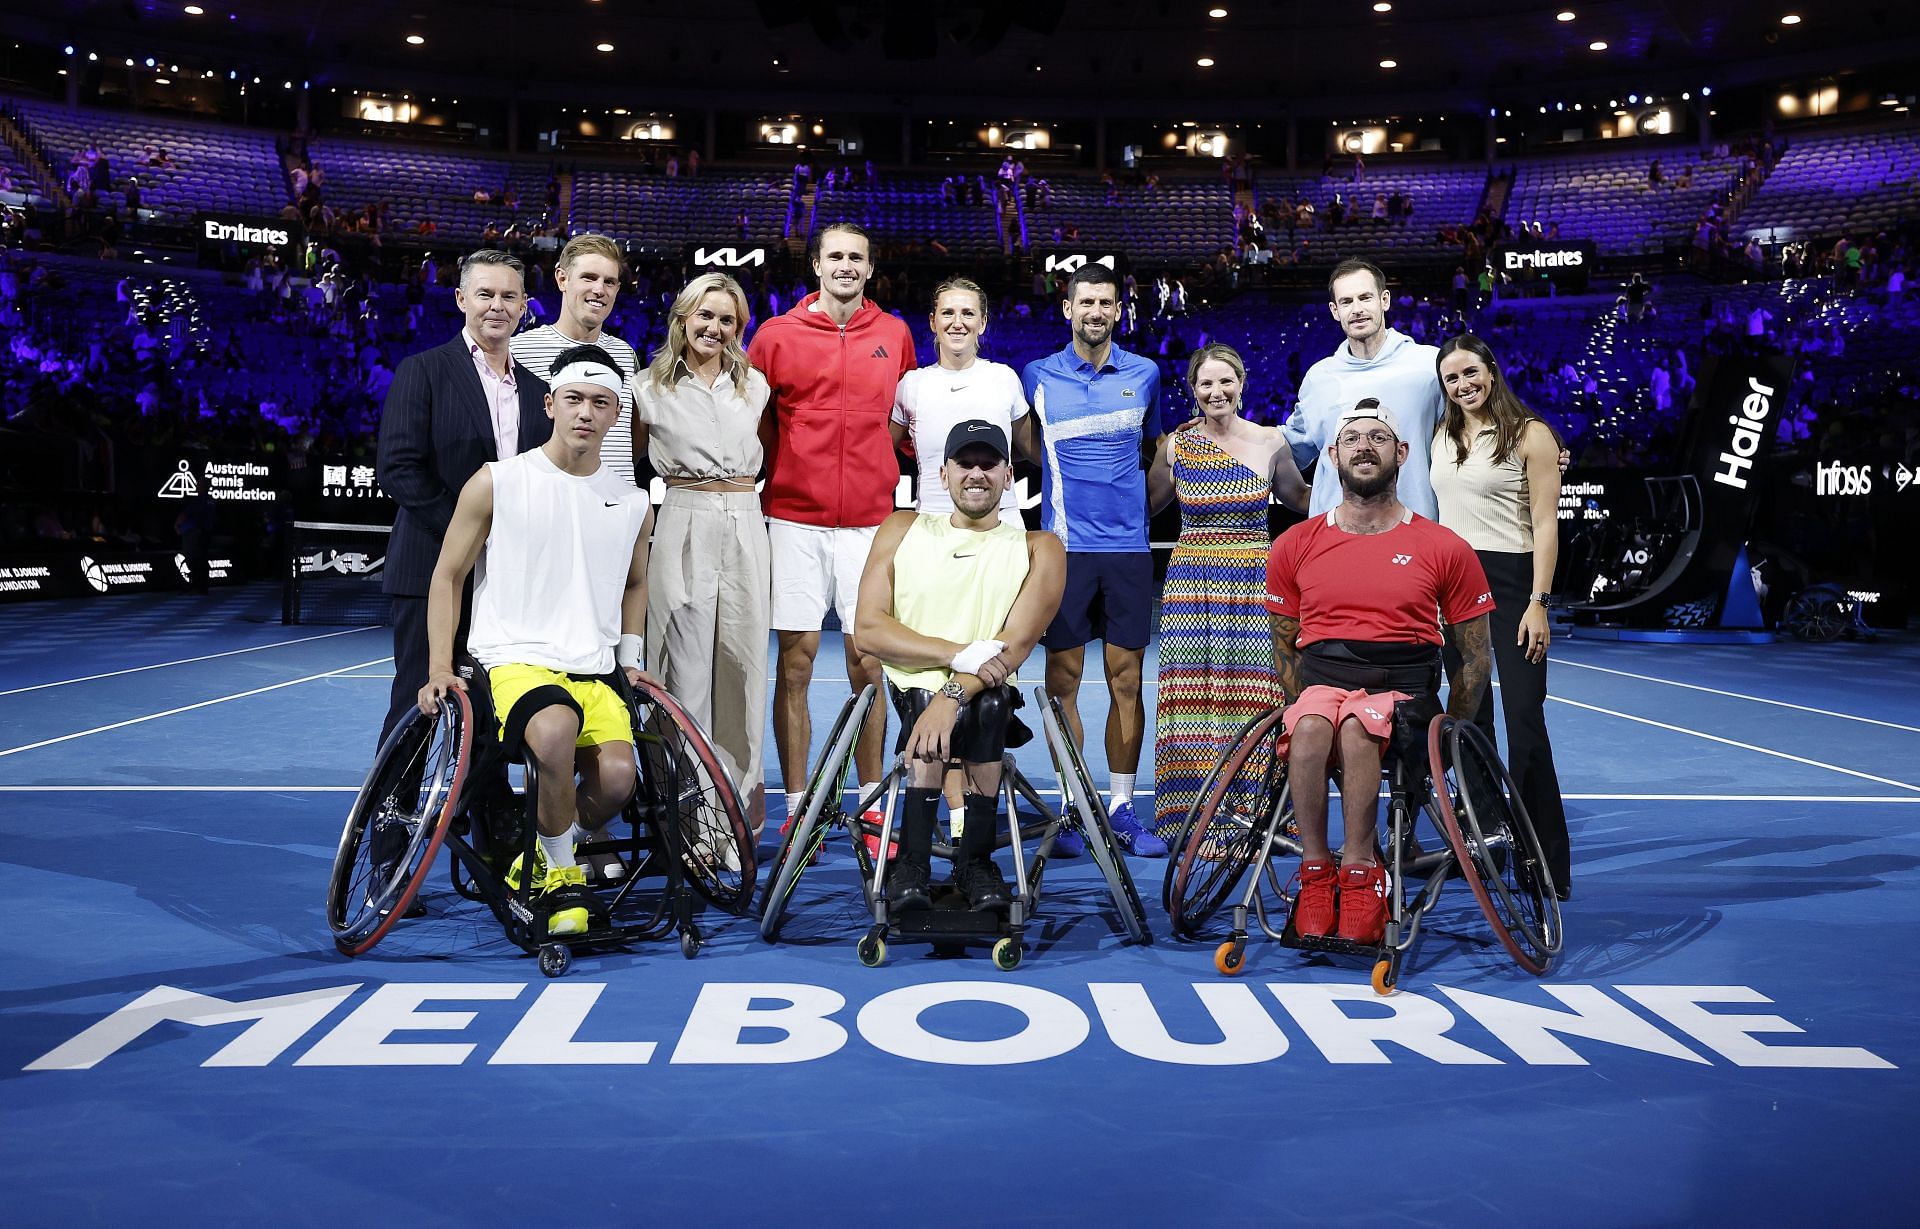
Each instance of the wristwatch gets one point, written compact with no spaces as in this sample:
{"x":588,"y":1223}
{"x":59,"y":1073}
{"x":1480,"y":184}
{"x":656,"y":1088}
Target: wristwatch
{"x":952,"y":690}
{"x":1545,"y":599}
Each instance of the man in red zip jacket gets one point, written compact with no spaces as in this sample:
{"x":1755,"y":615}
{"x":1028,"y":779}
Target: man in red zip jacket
{"x":833,"y":363}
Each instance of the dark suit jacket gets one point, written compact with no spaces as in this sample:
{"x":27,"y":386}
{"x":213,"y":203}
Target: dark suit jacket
{"x":436,"y":433}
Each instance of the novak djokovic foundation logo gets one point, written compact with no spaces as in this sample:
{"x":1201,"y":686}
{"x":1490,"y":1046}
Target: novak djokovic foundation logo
{"x":1206,"y":1024}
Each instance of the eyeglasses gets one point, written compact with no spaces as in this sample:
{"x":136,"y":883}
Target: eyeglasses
{"x":1377,"y":437}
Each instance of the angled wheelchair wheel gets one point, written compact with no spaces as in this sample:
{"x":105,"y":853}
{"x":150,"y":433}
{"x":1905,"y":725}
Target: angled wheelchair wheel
{"x":398,"y":823}
{"x":1185,"y":830}
{"x":1229,"y":824}
{"x":1081,"y":801}
{"x":686,"y":780}
{"x":1486,"y":826}
{"x":1819,"y":613}
{"x":821,"y":807}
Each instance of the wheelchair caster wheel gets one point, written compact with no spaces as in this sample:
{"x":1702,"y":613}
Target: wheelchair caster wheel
{"x":554,"y":958}
{"x":1386,"y":977}
{"x":1007,"y":954}
{"x":689,"y":943}
{"x":1230,"y":957}
{"x":873,"y":951}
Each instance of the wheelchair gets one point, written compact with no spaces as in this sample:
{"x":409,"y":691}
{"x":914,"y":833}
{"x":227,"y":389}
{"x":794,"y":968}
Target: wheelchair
{"x":1438,"y":769}
{"x":948,"y":926}
{"x":441,"y":780}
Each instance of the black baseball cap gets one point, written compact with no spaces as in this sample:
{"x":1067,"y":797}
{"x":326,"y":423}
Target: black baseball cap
{"x":976,"y":432}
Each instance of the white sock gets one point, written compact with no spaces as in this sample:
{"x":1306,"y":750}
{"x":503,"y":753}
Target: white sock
{"x":793,"y":804}
{"x":956,"y":820}
{"x":868,"y":787}
{"x":1122,"y":790}
{"x":559,"y":849}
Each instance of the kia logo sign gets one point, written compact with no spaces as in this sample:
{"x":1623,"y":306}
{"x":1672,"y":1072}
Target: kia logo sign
{"x":1071,"y":262}
{"x":730,"y":257}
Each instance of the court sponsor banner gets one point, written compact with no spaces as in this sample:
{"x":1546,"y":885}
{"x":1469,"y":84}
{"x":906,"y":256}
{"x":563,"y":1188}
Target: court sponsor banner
{"x":333,"y":488}
{"x":228,"y":239}
{"x":28,"y":575}
{"x":106,"y":570}
{"x":191,"y":475}
{"x":1567,"y":264}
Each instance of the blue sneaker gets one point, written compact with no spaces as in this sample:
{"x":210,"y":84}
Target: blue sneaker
{"x":1068,"y":843}
{"x":1134,"y":837}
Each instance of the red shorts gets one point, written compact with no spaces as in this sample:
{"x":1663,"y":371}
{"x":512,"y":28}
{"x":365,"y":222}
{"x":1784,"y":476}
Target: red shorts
{"x":1372,"y":709}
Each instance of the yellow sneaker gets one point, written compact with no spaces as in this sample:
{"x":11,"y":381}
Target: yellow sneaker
{"x":563,"y":894}
{"x":539,"y":867}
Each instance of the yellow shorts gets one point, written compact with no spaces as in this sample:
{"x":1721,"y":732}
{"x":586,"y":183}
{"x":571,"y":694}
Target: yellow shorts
{"x":603,"y":718}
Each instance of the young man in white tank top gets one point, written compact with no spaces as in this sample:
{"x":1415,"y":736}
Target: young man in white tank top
{"x":951,"y":604}
{"x":561,"y":600}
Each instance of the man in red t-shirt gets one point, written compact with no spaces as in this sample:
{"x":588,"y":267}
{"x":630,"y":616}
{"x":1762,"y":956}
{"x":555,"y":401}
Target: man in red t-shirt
{"x":832,"y":364}
{"x":1353,"y":597}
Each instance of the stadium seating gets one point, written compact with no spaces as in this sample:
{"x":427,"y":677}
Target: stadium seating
{"x":420,"y":183}
{"x":656,"y":211}
{"x":1606,"y":196}
{"x":1442,"y":195}
{"x":212,"y":167}
{"x":904,"y":207}
{"x":1179,"y":222}
{"x":1827,"y":186}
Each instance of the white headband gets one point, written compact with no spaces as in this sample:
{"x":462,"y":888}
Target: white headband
{"x":586,"y":371}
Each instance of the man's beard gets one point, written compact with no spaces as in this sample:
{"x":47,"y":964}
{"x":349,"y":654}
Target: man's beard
{"x":1384,"y":476}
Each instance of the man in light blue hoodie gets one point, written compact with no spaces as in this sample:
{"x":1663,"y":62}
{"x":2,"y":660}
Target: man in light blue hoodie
{"x":1375,"y":361}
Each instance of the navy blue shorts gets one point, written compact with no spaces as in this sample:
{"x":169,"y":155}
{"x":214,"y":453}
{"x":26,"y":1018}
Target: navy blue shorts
{"x":1109,"y":597}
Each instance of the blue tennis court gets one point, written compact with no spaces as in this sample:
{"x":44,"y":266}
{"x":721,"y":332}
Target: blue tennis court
{"x":1728,"y":1037}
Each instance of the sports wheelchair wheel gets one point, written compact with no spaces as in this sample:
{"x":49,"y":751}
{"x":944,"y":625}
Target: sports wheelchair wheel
{"x":397,"y":823}
{"x":686,"y":781}
{"x":1229,"y":824}
{"x":820,"y":808}
{"x":1487,"y":827}
{"x":1819,"y":613}
{"x":1081,"y":801}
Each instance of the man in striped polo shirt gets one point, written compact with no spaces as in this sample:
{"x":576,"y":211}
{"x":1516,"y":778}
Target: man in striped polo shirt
{"x":588,"y":277}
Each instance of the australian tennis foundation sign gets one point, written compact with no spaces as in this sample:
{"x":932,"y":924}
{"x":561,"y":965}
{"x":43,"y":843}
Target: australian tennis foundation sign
{"x":1210,"y":1024}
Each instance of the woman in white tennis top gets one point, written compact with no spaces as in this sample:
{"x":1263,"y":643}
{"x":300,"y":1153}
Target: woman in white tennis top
{"x":960,"y":386}
{"x":957,"y":387}
{"x":1496,"y":474}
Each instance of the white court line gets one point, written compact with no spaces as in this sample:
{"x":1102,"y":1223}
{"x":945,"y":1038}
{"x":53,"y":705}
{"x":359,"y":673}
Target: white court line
{"x":1877,"y":799}
{"x":187,"y":708}
{"x":184,"y":661}
{"x":1730,"y":742}
{"x":1737,"y":695}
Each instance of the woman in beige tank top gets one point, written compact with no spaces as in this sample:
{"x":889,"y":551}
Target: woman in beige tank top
{"x":1496,"y":473}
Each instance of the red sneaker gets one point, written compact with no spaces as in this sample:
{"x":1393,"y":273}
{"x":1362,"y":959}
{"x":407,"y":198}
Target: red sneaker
{"x":1313,"y":907}
{"x":1363,"y":903}
{"x":877,"y":818}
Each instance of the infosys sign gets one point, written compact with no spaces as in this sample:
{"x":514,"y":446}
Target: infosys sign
{"x":220,"y":228}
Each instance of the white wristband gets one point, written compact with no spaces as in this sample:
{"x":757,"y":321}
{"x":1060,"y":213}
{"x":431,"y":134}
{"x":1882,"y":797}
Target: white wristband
{"x":628,"y":654}
{"x":970,"y":659}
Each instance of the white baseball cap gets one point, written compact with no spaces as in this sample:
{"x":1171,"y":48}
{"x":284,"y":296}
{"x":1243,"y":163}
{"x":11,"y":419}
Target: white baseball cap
{"x":1368,"y":407}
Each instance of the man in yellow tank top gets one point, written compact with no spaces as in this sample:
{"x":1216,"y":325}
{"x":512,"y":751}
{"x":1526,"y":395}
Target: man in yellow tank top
{"x":951,"y":603}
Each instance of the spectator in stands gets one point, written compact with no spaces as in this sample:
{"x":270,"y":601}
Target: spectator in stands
{"x":588,"y":275}
{"x":832,"y":363}
{"x":1379,"y":206}
{"x":1216,"y":661}
{"x":1654,"y":175}
{"x":697,"y":414}
{"x":1495,"y":469}
{"x":431,"y":442}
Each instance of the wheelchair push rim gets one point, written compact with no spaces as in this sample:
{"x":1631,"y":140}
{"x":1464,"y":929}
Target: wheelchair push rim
{"x":360,"y":912}
{"x":1515,"y":892}
{"x":716,"y":845}
{"x":1228,"y":827}
{"x":820,"y":807}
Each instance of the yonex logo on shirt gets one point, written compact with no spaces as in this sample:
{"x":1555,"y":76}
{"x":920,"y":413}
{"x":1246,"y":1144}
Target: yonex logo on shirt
{"x":1482,"y":599}
{"x":1403,"y":559}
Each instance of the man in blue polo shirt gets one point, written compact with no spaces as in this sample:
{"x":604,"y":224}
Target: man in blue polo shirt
{"x":1094,"y":405}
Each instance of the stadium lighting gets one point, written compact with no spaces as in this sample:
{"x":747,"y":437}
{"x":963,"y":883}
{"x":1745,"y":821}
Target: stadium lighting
{"x":603,"y":46}
{"x":1633,"y":100}
{"x":1596,"y":45}
{"x":1564,"y":15}
{"x":149,"y":61}
{"x":1706,"y":91}
{"x":1389,"y":63}
{"x":415,"y":40}
{"x":1790,"y":19}
{"x":1216,"y":13}
{"x":68,"y":49}
{"x":163,"y":80}
{"x":1383,"y":7}
{"x":1205,"y":61}
{"x":193,"y":10}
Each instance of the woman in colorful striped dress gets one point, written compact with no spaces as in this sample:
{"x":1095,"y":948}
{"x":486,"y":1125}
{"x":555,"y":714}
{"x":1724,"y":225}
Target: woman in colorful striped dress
{"x":1216,"y":649}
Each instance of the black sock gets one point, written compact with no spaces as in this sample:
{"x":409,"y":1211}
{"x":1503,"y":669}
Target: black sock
{"x":917,"y":812}
{"x":982,"y":827}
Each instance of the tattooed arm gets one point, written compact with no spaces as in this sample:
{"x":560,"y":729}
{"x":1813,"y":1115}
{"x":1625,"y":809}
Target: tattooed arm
{"x":1286,"y":654}
{"x":1472,"y":640}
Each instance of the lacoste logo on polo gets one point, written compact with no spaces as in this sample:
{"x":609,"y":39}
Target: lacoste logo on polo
{"x":880,"y":352}
{"x":1403,"y":560}
{"x":1126,"y":392}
